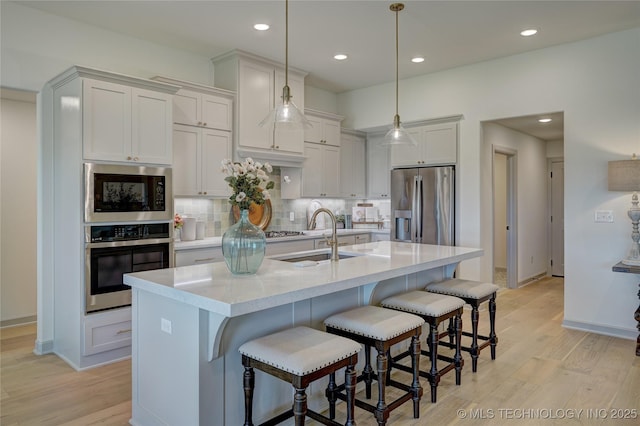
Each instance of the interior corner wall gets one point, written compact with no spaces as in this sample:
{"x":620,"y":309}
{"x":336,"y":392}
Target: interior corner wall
{"x":596,"y":83}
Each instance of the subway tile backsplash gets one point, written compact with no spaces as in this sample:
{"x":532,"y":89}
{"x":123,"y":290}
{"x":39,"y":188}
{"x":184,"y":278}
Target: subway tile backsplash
{"x":218,"y":216}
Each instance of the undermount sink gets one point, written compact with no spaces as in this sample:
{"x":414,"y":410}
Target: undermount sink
{"x":313,"y":256}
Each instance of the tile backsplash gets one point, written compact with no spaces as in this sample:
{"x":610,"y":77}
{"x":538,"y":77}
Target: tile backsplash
{"x":217,"y":214}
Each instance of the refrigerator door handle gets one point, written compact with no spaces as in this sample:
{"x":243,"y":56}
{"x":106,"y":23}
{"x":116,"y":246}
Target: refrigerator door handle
{"x":415,"y":217}
{"x":419,"y":200}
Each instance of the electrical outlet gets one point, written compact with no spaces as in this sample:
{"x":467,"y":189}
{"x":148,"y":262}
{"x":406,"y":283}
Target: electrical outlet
{"x":165,"y":325}
{"x":604,"y":216}
{"x":292,"y":216}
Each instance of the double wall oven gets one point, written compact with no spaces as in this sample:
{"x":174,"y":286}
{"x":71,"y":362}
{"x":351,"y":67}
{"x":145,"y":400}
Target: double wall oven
{"x":128,"y":228}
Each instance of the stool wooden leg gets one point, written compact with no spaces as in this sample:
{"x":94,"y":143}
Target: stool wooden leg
{"x":434,"y":377}
{"x":474,"y":337}
{"x":492,"y":322}
{"x":299,"y":407}
{"x":350,"y":380}
{"x":451,"y":329}
{"x":381,"y":412}
{"x":457,"y":357}
{"x":249,"y":383}
{"x":368,"y":371}
{"x":415,"y":366}
{"x":331,"y":395}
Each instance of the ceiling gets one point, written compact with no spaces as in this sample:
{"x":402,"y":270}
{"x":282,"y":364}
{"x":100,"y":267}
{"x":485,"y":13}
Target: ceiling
{"x":447,"y":33}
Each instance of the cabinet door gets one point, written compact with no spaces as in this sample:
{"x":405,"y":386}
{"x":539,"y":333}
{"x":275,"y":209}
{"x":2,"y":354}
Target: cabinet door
{"x":312,"y":170}
{"x":255,"y":100}
{"x":331,"y":171}
{"x":106,"y":122}
{"x":352,"y":166}
{"x":440,"y":143}
{"x":290,"y":140}
{"x":216,"y":112}
{"x":151,"y":126}
{"x":408,"y":155}
{"x":216,"y":146}
{"x":186,"y":170}
{"x":314,"y":133}
{"x":186,"y":108}
{"x":378,"y":169}
{"x":331,"y":130}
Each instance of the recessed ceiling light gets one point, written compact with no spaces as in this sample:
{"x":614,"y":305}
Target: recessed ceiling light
{"x":340,"y":57}
{"x":544,"y":120}
{"x":261,"y":27}
{"x":417,"y":59}
{"x":528,"y":32}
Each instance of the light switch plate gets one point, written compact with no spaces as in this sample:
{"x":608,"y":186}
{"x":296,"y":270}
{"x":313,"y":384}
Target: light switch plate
{"x":165,"y":325}
{"x":604,"y":216}
{"x":292,"y":216}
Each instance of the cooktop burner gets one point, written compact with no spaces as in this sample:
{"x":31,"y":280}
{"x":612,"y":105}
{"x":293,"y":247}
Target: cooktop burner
{"x":277,"y":234}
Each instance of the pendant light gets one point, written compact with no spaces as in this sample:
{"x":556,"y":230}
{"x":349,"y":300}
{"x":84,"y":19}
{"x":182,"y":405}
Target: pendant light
{"x":286,"y":114}
{"x":397,"y":135}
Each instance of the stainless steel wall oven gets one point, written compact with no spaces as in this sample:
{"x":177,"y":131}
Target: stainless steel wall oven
{"x":114,"y":250}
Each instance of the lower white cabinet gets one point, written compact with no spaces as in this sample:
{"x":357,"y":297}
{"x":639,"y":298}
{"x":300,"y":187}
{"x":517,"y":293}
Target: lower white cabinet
{"x":362,"y":238}
{"x":198,"y":256}
{"x":288,"y":247}
{"x":104,"y":331}
{"x":376,"y":236}
{"x":346,"y":240}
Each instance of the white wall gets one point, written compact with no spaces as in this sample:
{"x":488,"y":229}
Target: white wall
{"x":597,"y":84}
{"x":18,"y":207}
{"x":555,"y":149}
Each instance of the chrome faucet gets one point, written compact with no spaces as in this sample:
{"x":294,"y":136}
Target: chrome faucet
{"x":333,"y":242}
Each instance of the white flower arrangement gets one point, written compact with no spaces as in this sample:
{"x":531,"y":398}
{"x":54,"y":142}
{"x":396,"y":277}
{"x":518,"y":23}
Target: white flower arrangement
{"x":249,"y":181}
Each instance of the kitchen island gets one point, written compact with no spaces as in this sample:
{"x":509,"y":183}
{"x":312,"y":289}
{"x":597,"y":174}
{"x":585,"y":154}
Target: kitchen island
{"x":188,"y":323}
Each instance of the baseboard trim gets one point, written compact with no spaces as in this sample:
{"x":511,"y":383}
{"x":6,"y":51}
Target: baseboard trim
{"x":532,"y":279}
{"x":43,"y":347}
{"x":18,"y":321}
{"x":623,"y":333}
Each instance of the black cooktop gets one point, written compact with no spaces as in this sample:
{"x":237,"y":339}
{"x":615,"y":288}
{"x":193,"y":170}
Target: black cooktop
{"x":278,"y":234}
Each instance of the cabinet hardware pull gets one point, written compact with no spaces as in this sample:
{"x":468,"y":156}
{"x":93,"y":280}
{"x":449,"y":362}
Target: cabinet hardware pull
{"x":204,"y":124}
{"x":205,"y":260}
{"x":205,"y":193}
{"x":129,"y":158}
{"x":128,"y":330}
{"x":135,"y":158}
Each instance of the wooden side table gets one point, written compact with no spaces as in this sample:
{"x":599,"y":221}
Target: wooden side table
{"x":621,"y":267}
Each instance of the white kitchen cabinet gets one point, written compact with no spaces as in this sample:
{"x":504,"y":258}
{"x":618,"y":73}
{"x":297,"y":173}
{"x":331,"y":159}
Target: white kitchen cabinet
{"x":345,"y":240}
{"x":202,"y":110}
{"x":321,"y":171}
{"x":197,"y":157}
{"x":198,"y":256}
{"x":258,"y":83}
{"x":282,"y":247}
{"x":378,"y":167}
{"x":352,"y":165}
{"x":125,"y":124}
{"x":362,"y":238}
{"x":436,"y":144}
{"x":325,"y":128}
{"x":105,"y":331}
{"x":378,"y":236}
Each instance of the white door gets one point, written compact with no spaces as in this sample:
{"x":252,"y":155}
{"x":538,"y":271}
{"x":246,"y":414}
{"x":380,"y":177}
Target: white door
{"x":557,"y":218}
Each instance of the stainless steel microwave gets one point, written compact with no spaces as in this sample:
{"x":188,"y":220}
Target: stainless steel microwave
{"x":124,"y":193}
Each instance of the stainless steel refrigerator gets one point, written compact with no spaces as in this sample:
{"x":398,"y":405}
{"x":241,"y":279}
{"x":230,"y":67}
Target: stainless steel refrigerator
{"x":422,"y":205}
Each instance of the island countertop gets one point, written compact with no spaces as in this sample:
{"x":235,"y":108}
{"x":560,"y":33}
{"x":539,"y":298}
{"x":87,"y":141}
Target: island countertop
{"x":213,"y":288}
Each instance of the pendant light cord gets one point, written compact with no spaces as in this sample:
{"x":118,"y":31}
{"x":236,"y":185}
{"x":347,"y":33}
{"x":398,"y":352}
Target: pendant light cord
{"x":397,"y":61}
{"x":286,"y":42}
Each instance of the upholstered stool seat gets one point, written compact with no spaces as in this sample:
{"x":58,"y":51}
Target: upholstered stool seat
{"x":474,"y":293}
{"x":381,"y":328}
{"x":433,"y":308}
{"x":300,"y":356}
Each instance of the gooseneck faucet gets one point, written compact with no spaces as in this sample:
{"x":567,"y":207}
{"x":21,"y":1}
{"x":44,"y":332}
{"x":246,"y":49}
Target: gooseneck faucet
{"x":333,"y":243}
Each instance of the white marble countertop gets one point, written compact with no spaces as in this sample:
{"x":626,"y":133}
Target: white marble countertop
{"x":217,"y":241}
{"x":213,"y":288}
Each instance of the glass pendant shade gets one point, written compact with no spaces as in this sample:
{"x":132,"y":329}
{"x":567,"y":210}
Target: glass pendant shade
{"x":398,"y":135}
{"x":286,"y":115}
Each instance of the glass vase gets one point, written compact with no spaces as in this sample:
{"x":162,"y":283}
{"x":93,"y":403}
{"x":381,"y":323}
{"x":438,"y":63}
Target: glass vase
{"x":243,"y":246}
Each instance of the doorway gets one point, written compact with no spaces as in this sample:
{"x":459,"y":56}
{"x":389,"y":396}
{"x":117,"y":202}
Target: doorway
{"x":504,"y":218}
{"x":556,"y":216}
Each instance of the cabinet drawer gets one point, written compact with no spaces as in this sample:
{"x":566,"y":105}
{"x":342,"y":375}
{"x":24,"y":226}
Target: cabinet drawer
{"x":362,"y":238}
{"x":347,"y":240}
{"x":108,"y":331}
{"x":198,"y":256}
{"x":289,"y":247}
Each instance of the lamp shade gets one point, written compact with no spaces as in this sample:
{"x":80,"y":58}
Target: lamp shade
{"x":624,"y":175}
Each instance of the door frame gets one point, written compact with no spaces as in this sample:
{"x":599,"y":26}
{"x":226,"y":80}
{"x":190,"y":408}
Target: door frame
{"x":512,"y":212}
{"x":550,"y":162}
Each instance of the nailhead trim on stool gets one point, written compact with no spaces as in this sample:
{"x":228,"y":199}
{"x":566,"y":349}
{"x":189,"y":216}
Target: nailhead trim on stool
{"x":433,"y":308}
{"x":381,"y":328}
{"x":474,"y":293}
{"x":300,"y":356}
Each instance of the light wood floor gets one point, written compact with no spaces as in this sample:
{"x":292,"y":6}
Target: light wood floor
{"x":543,"y":375}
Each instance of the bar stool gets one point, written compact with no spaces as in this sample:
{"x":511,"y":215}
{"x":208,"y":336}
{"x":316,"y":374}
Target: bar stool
{"x":474,"y":293}
{"x":381,"y":328}
{"x":434,"y":309}
{"x":300,"y":356}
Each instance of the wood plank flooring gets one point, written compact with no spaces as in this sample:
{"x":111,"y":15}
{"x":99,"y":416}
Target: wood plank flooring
{"x":543,"y":375}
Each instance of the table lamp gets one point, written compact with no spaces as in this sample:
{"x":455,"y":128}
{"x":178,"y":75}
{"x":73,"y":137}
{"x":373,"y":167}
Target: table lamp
{"x":624,"y":175}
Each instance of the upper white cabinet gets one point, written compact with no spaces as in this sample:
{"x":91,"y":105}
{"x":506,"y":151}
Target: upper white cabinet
{"x":378,"y":167}
{"x":321,"y":171}
{"x":202,"y":110}
{"x":325,"y":128}
{"x":124,"y":123}
{"x":436,"y":144}
{"x":352,"y":165}
{"x":258,"y":83}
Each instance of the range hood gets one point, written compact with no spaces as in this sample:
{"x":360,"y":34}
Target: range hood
{"x":275,"y":158}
